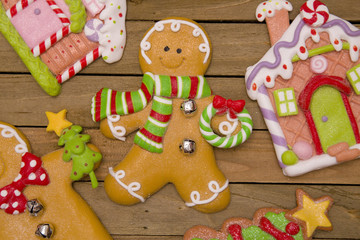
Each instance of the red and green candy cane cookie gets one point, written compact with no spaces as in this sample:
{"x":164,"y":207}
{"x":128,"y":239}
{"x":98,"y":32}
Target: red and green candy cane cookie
{"x":235,"y":113}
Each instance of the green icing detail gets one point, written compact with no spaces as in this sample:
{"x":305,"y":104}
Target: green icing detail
{"x":327,"y":104}
{"x":322,"y":50}
{"x":37,"y":68}
{"x":78,"y":15}
{"x":289,"y":158}
{"x":82,"y":156}
{"x":278,"y":220}
{"x":285,"y":102}
{"x":354,"y":78}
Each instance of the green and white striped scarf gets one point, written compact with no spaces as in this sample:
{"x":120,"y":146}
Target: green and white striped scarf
{"x":161,"y":89}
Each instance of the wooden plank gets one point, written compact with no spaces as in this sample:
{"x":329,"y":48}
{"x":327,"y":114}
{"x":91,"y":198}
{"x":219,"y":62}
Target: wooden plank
{"x":165,"y":214}
{"x":254,"y":161}
{"x":17,"y":103}
{"x":231,"y":10}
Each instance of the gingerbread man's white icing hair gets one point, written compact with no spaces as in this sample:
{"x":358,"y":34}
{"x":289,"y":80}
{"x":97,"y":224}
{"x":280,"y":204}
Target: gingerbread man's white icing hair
{"x":175,"y":27}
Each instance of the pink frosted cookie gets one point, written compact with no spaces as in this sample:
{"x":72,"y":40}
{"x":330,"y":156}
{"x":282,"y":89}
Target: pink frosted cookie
{"x":52,"y":52}
{"x":307,"y":86}
{"x":299,"y":223}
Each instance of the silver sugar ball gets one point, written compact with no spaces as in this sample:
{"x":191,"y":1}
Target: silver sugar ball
{"x":34,"y":207}
{"x":188,"y":107}
{"x":45,"y":230}
{"x":188,"y":146}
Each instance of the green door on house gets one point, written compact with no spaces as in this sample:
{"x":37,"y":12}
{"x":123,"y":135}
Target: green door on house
{"x":331,"y":117}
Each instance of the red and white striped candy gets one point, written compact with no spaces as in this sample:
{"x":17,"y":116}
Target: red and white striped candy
{"x":314,"y":13}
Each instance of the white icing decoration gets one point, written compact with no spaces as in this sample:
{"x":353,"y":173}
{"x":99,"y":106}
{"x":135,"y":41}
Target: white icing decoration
{"x":118,"y":131}
{"x":42,"y":177}
{"x":131,"y":188}
{"x":318,"y":64}
{"x":9,"y":132}
{"x":18,"y":178}
{"x":335,"y":32}
{"x":226,"y":128}
{"x":17,"y":193}
{"x":32,"y":176}
{"x":214,"y":187}
{"x":113,"y":30}
{"x":33,"y":163}
{"x":4,"y":193}
{"x":15,"y":204}
{"x":16,"y":212}
{"x":4,"y":206}
{"x":267,"y":9}
{"x":175,"y":27}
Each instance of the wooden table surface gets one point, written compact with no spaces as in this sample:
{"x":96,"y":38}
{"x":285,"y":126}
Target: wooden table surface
{"x":256,"y":179}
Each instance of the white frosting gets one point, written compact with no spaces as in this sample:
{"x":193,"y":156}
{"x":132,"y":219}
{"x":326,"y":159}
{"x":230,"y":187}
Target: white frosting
{"x":267,"y":9}
{"x":9,"y":132}
{"x":214,"y":187}
{"x":175,"y":27}
{"x":112,"y":39}
{"x":131,"y":188}
{"x":335,"y":32}
{"x":117,"y":131}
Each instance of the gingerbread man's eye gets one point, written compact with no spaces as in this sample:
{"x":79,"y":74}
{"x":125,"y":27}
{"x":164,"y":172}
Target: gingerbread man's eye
{"x":166,"y":48}
{"x":178,"y":50}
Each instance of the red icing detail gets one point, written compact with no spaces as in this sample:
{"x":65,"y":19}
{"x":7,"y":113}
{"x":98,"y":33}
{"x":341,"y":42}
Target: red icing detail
{"x":120,"y":15}
{"x":29,"y":175}
{"x":305,"y":99}
{"x":259,"y":15}
{"x":268,"y":227}
{"x":284,"y":66}
{"x":355,"y":48}
{"x":160,"y":117}
{"x":268,"y":78}
{"x":264,"y":3}
{"x":70,"y":46}
{"x":292,"y":228}
{"x":109,"y":40}
{"x":77,"y":146}
{"x":313,"y":32}
{"x":235,"y":232}
{"x":194,"y":87}
{"x":62,"y":51}
{"x":151,"y":136}
{"x":254,"y":87}
{"x":75,"y":173}
{"x":302,"y":49}
{"x":85,"y":164}
{"x":174,"y":88}
{"x":113,"y":102}
{"x":98,"y":105}
{"x":223,"y":105}
{"x":112,"y":49}
{"x":129,"y":102}
{"x":78,"y":41}
{"x":110,"y":18}
{"x":270,"y":11}
{"x":336,"y":41}
{"x":351,"y":117}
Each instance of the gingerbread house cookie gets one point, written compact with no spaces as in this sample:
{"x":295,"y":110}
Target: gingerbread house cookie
{"x":58,"y":38}
{"x":307,"y":86}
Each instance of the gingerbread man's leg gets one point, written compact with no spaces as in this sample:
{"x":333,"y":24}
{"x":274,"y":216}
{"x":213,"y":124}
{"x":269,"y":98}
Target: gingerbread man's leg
{"x":135,"y":178}
{"x":200,"y":182}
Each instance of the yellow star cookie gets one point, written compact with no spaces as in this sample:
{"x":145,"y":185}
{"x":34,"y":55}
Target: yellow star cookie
{"x":312,"y":212}
{"x":57,"y":122}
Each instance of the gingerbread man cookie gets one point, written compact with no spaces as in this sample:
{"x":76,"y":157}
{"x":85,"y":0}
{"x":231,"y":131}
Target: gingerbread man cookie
{"x":299,"y":223}
{"x":173,"y":109}
{"x":37,"y":200}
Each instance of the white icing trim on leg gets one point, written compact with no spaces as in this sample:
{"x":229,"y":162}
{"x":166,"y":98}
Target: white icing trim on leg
{"x":119,"y":131}
{"x":131,"y":188}
{"x":213,"y":187}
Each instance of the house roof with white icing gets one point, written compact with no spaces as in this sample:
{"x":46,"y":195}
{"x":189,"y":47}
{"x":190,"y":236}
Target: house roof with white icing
{"x":278,"y":60}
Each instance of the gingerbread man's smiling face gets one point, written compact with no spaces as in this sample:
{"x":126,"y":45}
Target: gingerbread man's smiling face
{"x":177,"y":47}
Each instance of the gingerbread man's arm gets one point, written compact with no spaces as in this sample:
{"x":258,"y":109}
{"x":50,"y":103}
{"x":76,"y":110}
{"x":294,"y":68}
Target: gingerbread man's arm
{"x":118,"y":127}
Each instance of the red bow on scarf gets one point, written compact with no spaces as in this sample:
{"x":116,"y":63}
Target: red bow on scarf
{"x":31,"y":173}
{"x":223,"y":105}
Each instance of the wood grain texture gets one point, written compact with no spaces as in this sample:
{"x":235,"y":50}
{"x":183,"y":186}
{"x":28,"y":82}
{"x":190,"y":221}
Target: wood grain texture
{"x":256,"y":179}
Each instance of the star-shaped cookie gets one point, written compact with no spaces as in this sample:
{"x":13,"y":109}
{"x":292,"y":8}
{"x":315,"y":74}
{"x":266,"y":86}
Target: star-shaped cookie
{"x":311,"y":213}
{"x":57,"y":122}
